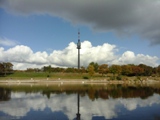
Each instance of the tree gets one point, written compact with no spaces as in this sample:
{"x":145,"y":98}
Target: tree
{"x":1,"y":68}
{"x":126,"y":70}
{"x":82,"y":70}
{"x":70,"y":70}
{"x":147,"y":69}
{"x":58,"y":69}
{"x":115,"y":69}
{"x":158,"y":70}
{"x":91,"y":70}
{"x":6,"y":68}
{"x":95,"y":65}
{"x":136,"y":70}
{"x":103,"y":69}
{"x":47,"y":68}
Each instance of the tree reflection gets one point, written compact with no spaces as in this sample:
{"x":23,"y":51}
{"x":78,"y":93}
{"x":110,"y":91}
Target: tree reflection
{"x":5,"y":94}
{"x":92,"y":91}
{"x":124,"y":92}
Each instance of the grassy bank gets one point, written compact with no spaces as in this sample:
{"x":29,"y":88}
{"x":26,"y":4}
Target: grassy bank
{"x":71,"y":76}
{"x":43,"y":75}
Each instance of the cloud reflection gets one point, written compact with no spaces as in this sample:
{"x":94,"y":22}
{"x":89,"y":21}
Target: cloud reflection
{"x":21,"y":104}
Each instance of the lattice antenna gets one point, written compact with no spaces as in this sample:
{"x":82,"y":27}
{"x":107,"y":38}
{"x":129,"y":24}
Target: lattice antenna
{"x":78,"y":35}
{"x":79,"y":43}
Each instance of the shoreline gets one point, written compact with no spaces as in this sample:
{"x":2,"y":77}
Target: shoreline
{"x":76,"y":81}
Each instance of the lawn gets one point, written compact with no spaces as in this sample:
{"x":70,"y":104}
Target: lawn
{"x":70,"y":76}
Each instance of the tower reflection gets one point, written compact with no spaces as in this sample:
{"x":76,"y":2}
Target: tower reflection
{"x":78,"y":110}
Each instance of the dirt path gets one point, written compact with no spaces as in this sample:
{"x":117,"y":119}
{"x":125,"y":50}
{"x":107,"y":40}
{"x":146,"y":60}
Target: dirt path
{"x":82,"y":81}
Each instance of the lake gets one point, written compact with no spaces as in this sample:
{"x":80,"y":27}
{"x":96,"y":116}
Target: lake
{"x":87,"y":102}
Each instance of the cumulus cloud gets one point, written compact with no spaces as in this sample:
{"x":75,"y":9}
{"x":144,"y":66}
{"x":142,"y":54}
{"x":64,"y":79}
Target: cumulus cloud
{"x":129,"y":17}
{"x":129,"y":57}
{"x":7,"y":42}
{"x":23,"y":57}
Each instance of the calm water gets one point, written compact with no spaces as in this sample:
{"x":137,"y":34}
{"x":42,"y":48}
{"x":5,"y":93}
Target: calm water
{"x":102,"y":102}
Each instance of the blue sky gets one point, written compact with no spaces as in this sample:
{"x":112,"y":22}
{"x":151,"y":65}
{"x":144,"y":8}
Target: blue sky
{"x":42,"y":29}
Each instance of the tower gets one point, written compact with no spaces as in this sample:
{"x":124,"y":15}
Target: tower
{"x":79,"y":47}
{"x":78,"y":98}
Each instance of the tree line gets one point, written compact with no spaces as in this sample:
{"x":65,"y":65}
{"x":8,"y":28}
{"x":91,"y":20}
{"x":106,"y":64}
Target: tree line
{"x":93,"y":68}
{"x":103,"y":69}
{"x":6,"y":68}
{"x":127,"y":70}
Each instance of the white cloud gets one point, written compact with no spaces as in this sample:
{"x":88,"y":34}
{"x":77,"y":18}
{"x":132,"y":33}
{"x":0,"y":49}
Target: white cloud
{"x":129,"y":57}
{"x":129,"y":17}
{"x":65,"y":57}
{"x":23,"y":57}
{"x":7,"y":42}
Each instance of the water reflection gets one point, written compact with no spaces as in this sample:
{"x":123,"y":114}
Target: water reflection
{"x":5,"y":94}
{"x":92,"y":102}
{"x":78,"y":105}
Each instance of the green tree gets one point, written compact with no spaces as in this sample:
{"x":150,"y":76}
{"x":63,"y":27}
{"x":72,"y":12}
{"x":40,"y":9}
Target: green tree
{"x":115,"y":69}
{"x":58,"y":69}
{"x":8,"y":68}
{"x":70,"y":70}
{"x":158,"y":70}
{"x":103,"y":69}
{"x":1,"y":69}
{"x":47,"y":68}
{"x":95,"y":65}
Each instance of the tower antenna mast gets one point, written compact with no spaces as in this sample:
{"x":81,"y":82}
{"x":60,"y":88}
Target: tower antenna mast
{"x":78,"y":98}
{"x":79,"y":47}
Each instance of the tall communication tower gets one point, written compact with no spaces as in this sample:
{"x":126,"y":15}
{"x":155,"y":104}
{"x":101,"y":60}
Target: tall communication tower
{"x":79,"y":47}
{"x":78,"y":98}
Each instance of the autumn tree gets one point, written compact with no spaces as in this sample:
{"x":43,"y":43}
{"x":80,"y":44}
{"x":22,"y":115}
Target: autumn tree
{"x":91,"y":70}
{"x":82,"y":70}
{"x":137,"y":71}
{"x":103,"y":69}
{"x":147,"y":69}
{"x":126,"y":70}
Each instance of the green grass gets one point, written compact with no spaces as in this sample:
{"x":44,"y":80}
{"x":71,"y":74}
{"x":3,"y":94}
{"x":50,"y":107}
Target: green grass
{"x":43,"y":75}
{"x":70,"y":76}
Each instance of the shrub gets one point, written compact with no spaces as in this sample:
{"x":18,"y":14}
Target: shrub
{"x":119,"y":77}
{"x":138,"y":78}
{"x":85,"y":77}
{"x":112,"y":77}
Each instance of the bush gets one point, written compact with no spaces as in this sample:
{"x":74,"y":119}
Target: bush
{"x":119,"y":77}
{"x":112,"y":78}
{"x":85,"y":77}
{"x":48,"y":75}
{"x":138,"y":78}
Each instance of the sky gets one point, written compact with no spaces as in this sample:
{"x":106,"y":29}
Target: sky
{"x":39,"y":33}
